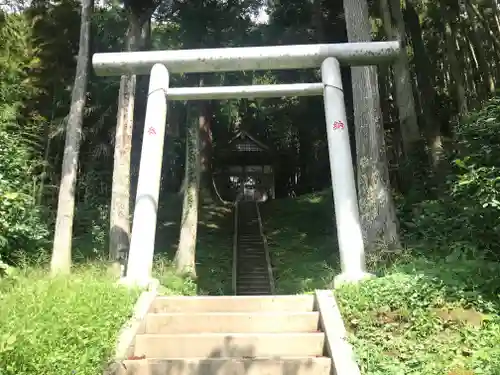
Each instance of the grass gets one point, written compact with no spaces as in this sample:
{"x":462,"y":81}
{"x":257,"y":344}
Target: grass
{"x":60,"y":325}
{"x":67,"y":325}
{"x":302,"y":240}
{"x":435,"y":310}
{"x":426,"y":317}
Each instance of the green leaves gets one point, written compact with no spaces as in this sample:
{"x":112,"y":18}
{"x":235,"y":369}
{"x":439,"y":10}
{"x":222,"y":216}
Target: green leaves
{"x":7,"y":342}
{"x":477,"y":178}
{"x":22,"y":226}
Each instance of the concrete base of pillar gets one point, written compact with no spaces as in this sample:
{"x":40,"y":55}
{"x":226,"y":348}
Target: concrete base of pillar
{"x":351,"y":278}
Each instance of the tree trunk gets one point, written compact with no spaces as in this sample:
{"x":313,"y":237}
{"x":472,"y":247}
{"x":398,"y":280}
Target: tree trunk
{"x":317,"y":20}
{"x":425,"y":74}
{"x":61,"y":252}
{"x":120,"y":190}
{"x":141,"y":98}
{"x":413,"y":145}
{"x":494,"y":10}
{"x":378,"y":214}
{"x":450,"y":33}
{"x":205,"y":121}
{"x":492,"y":36}
{"x":185,"y":256}
{"x":478,"y":49}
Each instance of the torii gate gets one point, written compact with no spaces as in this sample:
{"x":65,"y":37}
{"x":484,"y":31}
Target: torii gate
{"x":160,"y":64}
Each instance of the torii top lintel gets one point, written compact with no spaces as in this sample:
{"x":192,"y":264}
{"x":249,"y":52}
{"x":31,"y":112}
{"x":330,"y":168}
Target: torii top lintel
{"x":245,"y":58}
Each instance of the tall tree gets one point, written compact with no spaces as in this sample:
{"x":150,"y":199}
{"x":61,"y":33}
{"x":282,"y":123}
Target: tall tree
{"x":425,"y":72}
{"x":186,"y":252}
{"x":378,"y":215}
{"x":61,"y":252}
{"x":449,"y":18}
{"x":138,"y":13}
{"x":413,"y":146}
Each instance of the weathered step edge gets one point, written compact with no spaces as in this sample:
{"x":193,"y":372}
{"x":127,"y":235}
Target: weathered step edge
{"x":239,"y":366}
{"x":172,"y":323}
{"x":125,"y":345}
{"x":269,"y":303}
{"x":331,"y":323}
{"x":234,"y":345}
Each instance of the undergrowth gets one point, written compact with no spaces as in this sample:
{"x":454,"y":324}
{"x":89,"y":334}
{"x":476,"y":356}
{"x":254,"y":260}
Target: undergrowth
{"x":60,"y":325}
{"x":68,"y":325}
{"x":436,"y":309}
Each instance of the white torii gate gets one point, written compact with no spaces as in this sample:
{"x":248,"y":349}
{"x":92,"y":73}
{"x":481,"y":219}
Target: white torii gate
{"x":159,"y":64}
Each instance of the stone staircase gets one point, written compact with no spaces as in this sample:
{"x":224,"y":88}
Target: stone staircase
{"x":230,"y":335}
{"x":253,"y":275}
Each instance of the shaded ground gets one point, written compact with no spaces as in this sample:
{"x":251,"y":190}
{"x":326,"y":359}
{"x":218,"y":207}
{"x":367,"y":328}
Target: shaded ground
{"x":214,"y":246}
{"x":302,"y":242}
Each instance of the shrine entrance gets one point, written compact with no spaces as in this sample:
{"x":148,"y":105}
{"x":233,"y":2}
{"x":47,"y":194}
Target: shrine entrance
{"x":161,"y":64}
{"x":246,"y":170}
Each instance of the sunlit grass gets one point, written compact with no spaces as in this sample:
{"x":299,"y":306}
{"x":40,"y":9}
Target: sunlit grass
{"x":60,"y":325}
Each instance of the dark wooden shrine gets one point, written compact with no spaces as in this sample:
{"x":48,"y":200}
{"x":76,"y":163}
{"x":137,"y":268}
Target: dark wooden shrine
{"x":246,"y":169}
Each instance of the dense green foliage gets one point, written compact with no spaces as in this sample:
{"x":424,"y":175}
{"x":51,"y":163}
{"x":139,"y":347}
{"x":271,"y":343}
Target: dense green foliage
{"x":467,"y":213}
{"x":42,"y":38}
{"x":22,"y":227}
{"x":477,"y":181}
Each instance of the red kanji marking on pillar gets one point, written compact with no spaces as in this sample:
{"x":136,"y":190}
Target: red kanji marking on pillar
{"x":151,"y":131}
{"x":338,"y":125}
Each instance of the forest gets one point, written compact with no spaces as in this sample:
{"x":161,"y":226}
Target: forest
{"x":425,"y":148}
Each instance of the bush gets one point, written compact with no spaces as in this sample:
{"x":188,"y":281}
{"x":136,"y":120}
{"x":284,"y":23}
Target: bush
{"x":22,"y":227}
{"x":477,"y":176}
{"x":466,"y":220}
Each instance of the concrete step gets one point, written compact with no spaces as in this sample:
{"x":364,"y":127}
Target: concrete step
{"x":249,"y":276}
{"x":285,"y":303}
{"x":253,"y":258}
{"x":253,"y":289}
{"x":253,"y":292}
{"x":228,"y":366}
{"x":253,"y":286}
{"x":235,"y":345}
{"x":232,"y":322}
{"x":251,"y":268}
{"x":254,"y":281}
{"x":252,"y":275}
